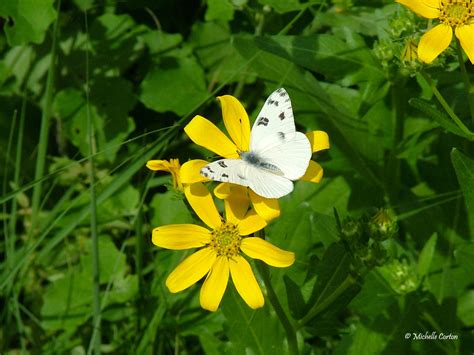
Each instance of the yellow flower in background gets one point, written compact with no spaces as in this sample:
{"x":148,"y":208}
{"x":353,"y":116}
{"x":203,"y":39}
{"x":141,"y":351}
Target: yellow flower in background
{"x":172,"y":166}
{"x":183,"y":175}
{"x":220,"y":249}
{"x":453,"y":14}
{"x":206,"y":134}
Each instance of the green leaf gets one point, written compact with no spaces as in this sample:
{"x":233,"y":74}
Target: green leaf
{"x":31,"y":19}
{"x":464,"y":254}
{"x":376,"y":294}
{"x":220,"y":10}
{"x":346,"y":58}
{"x":168,"y":208}
{"x":465,"y":309}
{"x":251,"y":331}
{"x":110,"y":101}
{"x":426,"y":255}
{"x":441,"y":118}
{"x":282,"y":6}
{"x":177,"y":85}
{"x":464,"y":167}
{"x":66,"y":302}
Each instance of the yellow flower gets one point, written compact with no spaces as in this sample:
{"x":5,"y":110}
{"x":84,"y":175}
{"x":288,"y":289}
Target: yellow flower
{"x":172,"y":166}
{"x":206,"y":134}
{"x":185,"y":174}
{"x":220,"y":249}
{"x":453,"y":14}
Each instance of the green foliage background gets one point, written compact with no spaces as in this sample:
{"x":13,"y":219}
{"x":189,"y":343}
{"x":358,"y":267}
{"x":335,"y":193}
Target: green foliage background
{"x":137,"y":71}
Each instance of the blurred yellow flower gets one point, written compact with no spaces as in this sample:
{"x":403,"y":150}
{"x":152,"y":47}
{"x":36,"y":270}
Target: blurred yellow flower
{"x":172,"y":166}
{"x":453,"y":14}
{"x":220,"y":249}
{"x":185,"y":174}
{"x":206,"y":134}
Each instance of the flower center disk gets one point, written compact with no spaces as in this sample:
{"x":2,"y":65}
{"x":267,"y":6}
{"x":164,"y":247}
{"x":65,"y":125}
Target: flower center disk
{"x":225,"y":240}
{"x":456,"y":12}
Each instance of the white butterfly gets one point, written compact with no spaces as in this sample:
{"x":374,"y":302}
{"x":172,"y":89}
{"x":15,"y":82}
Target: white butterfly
{"x":278,"y":154}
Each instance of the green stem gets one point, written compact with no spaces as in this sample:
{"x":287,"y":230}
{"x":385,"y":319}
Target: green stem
{"x":393,"y":164}
{"x":271,"y":294}
{"x":289,"y":329}
{"x":445,"y":105}
{"x":44,"y":129}
{"x":318,"y":307}
{"x":96,"y":334}
{"x":467,"y":83}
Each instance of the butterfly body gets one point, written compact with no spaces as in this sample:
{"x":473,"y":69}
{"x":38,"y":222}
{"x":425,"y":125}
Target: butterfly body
{"x":278,"y":154}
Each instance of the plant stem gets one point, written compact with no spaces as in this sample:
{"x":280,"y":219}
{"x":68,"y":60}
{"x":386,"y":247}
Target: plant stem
{"x":284,"y":320}
{"x":44,"y":129}
{"x":393,"y":164}
{"x":445,"y":105}
{"x":96,"y":334}
{"x":318,"y":307}
{"x":467,"y":83}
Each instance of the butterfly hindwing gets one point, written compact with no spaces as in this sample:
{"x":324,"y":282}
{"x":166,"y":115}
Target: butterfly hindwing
{"x":291,"y":157}
{"x":274,"y":120}
{"x":267,"y":184}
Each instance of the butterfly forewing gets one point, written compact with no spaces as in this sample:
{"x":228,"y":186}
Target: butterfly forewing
{"x":227,"y":170}
{"x":274,"y":121}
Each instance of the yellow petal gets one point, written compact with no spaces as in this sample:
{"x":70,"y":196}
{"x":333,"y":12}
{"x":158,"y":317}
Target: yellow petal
{"x":251,"y":223}
{"x":190,"y":171}
{"x":245,"y":282}
{"x":204,"y":133}
{"x":191,"y":270}
{"x":267,"y":208}
{"x":319,"y":140}
{"x":466,"y":37}
{"x":180,"y":236}
{"x":202,"y":203}
{"x":433,"y":42}
{"x":158,"y":165}
{"x":236,"y":203}
{"x":314,"y":173}
{"x":258,"y":248}
{"x":222,"y":190}
{"x":425,"y":8}
{"x":236,"y":121}
{"x":216,"y":282}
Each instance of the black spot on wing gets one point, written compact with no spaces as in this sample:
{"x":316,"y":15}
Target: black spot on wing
{"x":222,"y":164}
{"x":225,"y":176}
{"x":262,"y":121}
{"x":282,"y":116}
{"x":281,"y":135}
{"x":272,"y":102}
{"x":241,"y":177}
